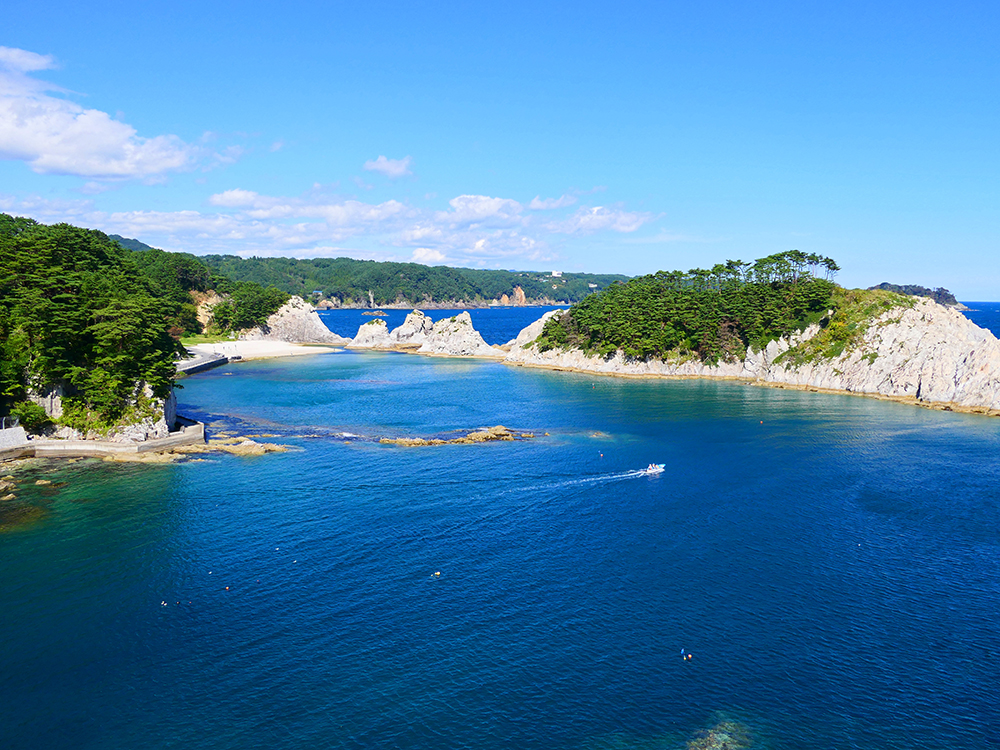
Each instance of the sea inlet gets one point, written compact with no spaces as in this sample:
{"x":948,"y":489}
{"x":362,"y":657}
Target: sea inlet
{"x":820,"y":571}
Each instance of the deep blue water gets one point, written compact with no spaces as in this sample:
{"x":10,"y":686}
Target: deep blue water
{"x":498,"y":325}
{"x":985,"y":315}
{"x":832,"y":563}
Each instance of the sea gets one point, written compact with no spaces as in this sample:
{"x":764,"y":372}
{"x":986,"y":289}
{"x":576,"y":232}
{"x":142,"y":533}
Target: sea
{"x":811,"y":570}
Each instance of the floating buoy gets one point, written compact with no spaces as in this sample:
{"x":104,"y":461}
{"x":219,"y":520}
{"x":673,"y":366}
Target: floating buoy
{"x":437,"y":574}
{"x":227,"y":588}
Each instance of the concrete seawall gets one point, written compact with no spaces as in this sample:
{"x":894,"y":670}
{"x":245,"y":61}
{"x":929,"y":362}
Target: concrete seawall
{"x":190,"y":433}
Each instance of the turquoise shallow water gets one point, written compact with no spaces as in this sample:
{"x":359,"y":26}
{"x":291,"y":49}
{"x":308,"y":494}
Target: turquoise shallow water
{"x":831,"y":562}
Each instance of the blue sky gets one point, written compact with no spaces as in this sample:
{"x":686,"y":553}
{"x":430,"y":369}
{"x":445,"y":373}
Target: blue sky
{"x":625,"y":137}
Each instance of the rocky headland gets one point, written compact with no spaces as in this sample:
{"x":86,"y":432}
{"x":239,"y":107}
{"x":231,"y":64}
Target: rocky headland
{"x":295,"y":322}
{"x":918,"y":351}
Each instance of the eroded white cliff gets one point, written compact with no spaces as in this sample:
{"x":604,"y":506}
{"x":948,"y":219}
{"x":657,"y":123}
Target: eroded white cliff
{"x":928,"y":353}
{"x":295,"y":322}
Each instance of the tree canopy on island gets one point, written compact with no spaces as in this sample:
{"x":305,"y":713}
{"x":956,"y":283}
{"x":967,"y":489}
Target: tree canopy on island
{"x":940,"y":295}
{"x":712,"y":313}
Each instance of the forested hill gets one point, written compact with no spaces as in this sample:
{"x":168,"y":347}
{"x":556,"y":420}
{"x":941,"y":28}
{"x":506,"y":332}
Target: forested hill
{"x":129,"y":244}
{"x":81,"y":313}
{"x":940,"y":295}
{"x":349,"y":281}
{"x":710,"y":314}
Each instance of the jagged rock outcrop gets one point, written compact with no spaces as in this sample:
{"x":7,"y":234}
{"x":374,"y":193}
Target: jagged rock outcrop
{"x":531,"y":332}
{"x":926,"y":353}
{"x":295,"y":322}
{"x":451,"y":336}
{"x":456,"y":337}
{"x":372,"y":335}
{"x":159,"y":422}
{"x":414,"y":331}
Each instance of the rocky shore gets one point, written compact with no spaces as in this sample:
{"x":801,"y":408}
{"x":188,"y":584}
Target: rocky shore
{"x":484,"y":435}
{"x":919,"y":352}
{"x":926,"y":354}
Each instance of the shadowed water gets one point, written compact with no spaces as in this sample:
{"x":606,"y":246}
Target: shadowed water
{"x":830,"y":562}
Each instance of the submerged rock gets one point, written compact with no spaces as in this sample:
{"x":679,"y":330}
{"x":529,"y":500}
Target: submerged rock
{"x":239,"y":446}
{"x":726,"y":735}
{"x":486,"y":435}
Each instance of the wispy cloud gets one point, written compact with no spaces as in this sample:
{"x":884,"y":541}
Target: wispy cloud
{"x":590,"y":220}
{"x":548,"y":204}
{"x":391,"y":168}
{"x":55,"y":135}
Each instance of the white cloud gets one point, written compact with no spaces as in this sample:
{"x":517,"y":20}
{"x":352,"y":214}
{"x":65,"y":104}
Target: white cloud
{"x":54,"y":135}
{"x":235,"y":198}
{"x":391,"y":168}
{"x":479,"y":209}
{"x":547,"y":204}
{"x":427,"y":256}
{"x":589,"y":220}
{"x":476,"y":230}
{"x":23,"y":61}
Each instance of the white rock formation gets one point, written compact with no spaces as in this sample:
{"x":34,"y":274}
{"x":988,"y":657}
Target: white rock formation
{"x":414,"y":331}
{"x":453,"y":337}
{"x":372,"y":335}
{"x":531,"y":332}
{"x":160,"y":425}
{"x":456,"y":337}
{"x":929,"y":353}
{"x":295,"y":322}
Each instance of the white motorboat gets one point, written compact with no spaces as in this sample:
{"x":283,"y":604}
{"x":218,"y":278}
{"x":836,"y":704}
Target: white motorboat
{"x":654,"y":469}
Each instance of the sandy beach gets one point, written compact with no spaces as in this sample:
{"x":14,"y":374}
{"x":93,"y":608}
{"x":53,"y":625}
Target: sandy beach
{"x":260,"y":349}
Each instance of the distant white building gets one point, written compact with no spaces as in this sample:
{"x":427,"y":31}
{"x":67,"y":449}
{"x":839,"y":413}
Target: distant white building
{"x":556,"y":274}
{"x":592,"y":286}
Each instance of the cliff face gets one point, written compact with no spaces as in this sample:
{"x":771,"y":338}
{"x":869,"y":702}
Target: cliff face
{"x":928,"y":353}
{"x":296,"y":322}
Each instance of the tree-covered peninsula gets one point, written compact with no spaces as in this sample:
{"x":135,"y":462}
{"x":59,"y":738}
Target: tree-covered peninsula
{"x":101,"y":324}
{"x":711,"y":314}
{"x":364,"y":283}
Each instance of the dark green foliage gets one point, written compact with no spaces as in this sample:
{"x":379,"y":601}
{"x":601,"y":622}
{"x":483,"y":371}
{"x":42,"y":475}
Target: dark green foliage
{"x":130,"y":244}
{"x":712,"y":314}
{"x":940,"y":295}
{"x":172,"y":277}
{"x":76,"y":311}
{"x":248,"y":305}
{"x":30,"y":415}
{"x":350,"y":281}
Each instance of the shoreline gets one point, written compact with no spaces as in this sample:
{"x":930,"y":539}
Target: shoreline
{"x":244,"y":350}
{"x":910,"y":400}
